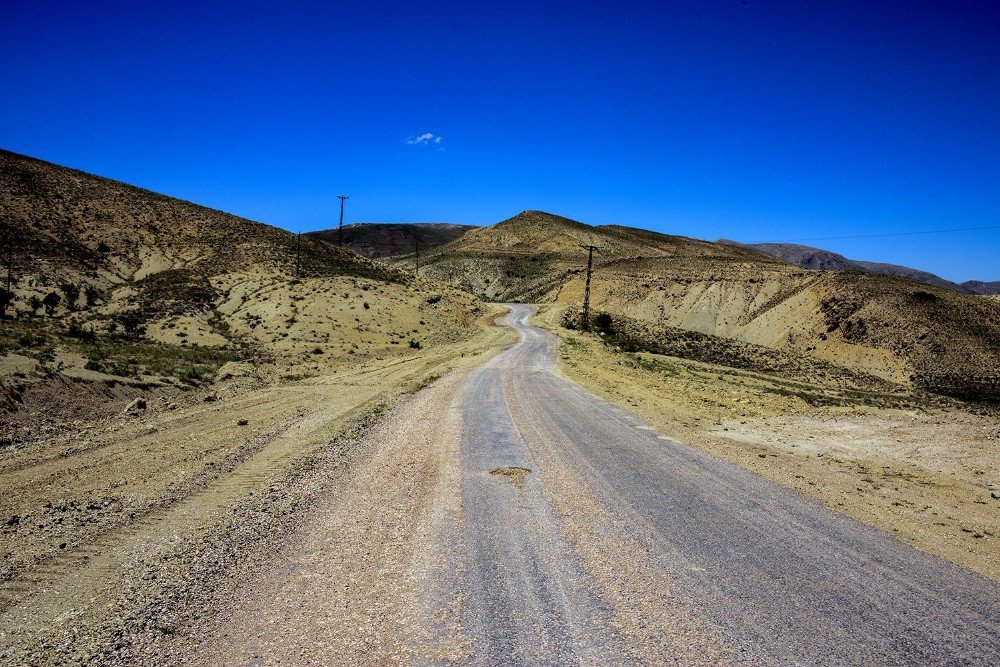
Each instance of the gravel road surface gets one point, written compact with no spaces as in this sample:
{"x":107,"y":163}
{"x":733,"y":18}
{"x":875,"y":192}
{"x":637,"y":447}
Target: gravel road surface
{"x":515,"y":519}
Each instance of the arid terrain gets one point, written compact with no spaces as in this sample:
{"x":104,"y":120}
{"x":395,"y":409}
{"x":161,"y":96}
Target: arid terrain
{"x":393,"y":239}
{"x":224,"y":444}
{"x":823,"y":260}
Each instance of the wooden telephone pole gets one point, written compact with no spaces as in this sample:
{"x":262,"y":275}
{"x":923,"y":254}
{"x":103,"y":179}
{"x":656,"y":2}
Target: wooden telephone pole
{"x":8,"y":243}
{"x":585,"y":325}
{"x":298,"y":253}
{"x":340,"y":227}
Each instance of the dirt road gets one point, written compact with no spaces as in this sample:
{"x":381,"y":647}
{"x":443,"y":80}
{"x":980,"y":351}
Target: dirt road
{"x":506,"y":516}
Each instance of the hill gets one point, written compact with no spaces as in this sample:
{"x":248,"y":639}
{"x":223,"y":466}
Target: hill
{"x":116,"y":284}
{"x":824,"y":260}
{"x":390,"y":239}
{"x":531,"y":255}
{"x":906,"y":332}
{"x":980,"y":287}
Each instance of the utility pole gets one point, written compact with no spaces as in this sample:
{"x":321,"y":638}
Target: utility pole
{"x":298,"y":253}
{"x":8,"y":245}
{"x":586,"y":289}
{"x":340,"y":227}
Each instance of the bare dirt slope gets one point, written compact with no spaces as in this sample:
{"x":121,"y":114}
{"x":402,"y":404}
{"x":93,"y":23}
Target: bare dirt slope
{"x":120,"y":293}
{"x":905,"y":332}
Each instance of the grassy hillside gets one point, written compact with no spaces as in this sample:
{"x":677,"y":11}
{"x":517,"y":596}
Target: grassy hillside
{"x":901,"y":331}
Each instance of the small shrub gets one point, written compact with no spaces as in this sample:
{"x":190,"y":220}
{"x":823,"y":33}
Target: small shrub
{"x":415,"y":344}
{"x":132,"y":324}
{"x":91,"y":294}
{"x":72,"y":292}
{"x":604,"y":324}
{"x":51,"y":302}
{"x":6,"y":300}
{"x":76,"y":331}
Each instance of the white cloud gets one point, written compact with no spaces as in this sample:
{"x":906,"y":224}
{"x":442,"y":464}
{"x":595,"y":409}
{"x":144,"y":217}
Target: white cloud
{"x":425,"y":138}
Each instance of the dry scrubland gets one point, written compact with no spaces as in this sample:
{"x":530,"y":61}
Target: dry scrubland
{"x":177,"y":385}
{"x":875,"y":395}
{"x":905,"y":332}
{"x":172,"y":382}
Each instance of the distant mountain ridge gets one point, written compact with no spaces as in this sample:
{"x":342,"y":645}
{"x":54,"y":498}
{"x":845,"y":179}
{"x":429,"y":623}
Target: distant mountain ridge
{"x":390,"y":239}
{"x":825,"y":260}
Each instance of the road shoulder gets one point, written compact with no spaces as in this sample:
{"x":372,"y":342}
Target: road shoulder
{"x":931,"y":479}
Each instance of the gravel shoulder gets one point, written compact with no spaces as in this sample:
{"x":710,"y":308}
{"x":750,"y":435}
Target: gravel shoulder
{"x":199,"y":496}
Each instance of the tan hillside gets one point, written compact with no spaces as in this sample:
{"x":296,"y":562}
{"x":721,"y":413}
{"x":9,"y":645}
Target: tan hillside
{"x":66,"y":223}
{"x":899,"y":330}
{"x":530,"y":256}
{"x":148,"y":291}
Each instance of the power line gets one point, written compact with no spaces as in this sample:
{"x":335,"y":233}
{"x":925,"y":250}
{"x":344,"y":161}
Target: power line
{"x":875,"y":236}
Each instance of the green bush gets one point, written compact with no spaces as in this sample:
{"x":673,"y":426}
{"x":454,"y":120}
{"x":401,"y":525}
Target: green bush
{"x":604,"y":324}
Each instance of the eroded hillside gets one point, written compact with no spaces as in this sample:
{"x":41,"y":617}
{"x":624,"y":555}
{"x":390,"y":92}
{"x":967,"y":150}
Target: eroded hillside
{"x":902,"y":331}
{"x":119,"y":292}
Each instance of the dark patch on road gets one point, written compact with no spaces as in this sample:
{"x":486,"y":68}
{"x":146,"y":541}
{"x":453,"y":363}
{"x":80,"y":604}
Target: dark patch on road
{"x":512,"y":473}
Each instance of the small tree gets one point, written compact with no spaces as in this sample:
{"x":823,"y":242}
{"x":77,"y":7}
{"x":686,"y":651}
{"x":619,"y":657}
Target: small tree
{"x":91,"y":294}
{"x":34,"y":303}
{"x":6,"y":300}
{"x":72,"y":292}
{"x":132,"y":324}
{"x":51,"y":302}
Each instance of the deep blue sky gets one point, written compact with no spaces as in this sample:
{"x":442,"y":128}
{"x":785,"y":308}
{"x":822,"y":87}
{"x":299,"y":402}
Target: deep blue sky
{"x":757,"y":121}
